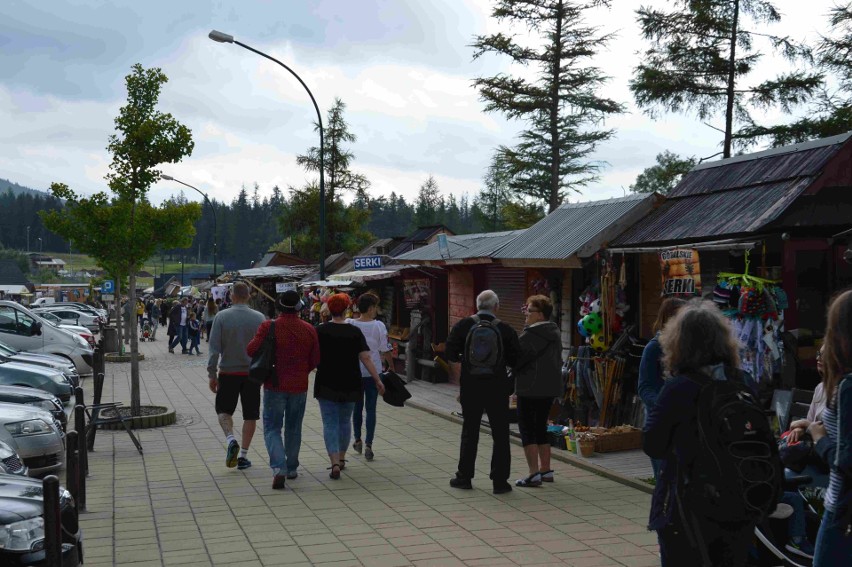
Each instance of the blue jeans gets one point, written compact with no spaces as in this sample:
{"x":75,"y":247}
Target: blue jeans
{"x":657,"y":466}
{"x":369,"y":398}
{"x":833,"y":544}
{"x":283,"y":408}
{"x":193,"y":343}
{"x":180,"y":337}
{"x":796,"y":528}
{"x":336,"y":424}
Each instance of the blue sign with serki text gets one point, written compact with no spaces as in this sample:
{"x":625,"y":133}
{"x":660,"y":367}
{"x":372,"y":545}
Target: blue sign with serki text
{"x":367,"y":262}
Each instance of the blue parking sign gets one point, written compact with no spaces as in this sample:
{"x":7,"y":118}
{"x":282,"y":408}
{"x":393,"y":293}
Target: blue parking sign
{"x":108,"y":286}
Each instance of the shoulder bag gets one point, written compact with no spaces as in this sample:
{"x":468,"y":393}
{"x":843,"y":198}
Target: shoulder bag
{"x":262,"y":366}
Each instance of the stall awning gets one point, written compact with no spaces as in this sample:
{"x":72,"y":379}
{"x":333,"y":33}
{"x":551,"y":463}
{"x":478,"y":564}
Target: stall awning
{"x":731,"y":244}
{"x":12,"y":289}
{"x":326,"y":283}
{"x":361,"y":276}
{"x":290,"y":272}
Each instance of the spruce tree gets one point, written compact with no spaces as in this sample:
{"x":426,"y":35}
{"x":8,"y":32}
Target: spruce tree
{"x":700,"y":56}
{"x":560,"y":105}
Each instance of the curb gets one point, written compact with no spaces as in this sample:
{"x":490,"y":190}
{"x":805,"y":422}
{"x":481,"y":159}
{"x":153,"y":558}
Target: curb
{"x":562,"y":456}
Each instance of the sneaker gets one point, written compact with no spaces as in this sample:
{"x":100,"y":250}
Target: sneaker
{"x":546,"y":476}
{"x":460,"y":482}
{"x":502,"y":487}
{"x":171,"y":350}
{"x":243,"y":463}
{"x":292,"y":475}
{"x":368,"y":452}
{"x":802,"y":548}
{"x":278,"y":482}
{"x":357,"y":446}
{"x":532,"y":480}
{"x":232,"y":453}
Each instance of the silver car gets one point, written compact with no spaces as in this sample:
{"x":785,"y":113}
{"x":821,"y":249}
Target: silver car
{"x":56,"y":362}
{"x":71,"y":316}
{"x":10,"y":461}
{"x":34,"y":435}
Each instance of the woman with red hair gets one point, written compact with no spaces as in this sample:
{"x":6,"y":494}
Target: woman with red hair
{"x":338,"y":385}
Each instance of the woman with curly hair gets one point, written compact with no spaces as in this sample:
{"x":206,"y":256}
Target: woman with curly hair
{"x":338,"y":384}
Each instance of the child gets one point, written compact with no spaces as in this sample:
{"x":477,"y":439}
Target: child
{"x":194,"y":333}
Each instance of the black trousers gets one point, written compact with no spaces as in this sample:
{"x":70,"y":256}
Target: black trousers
{"x":489,"y":396}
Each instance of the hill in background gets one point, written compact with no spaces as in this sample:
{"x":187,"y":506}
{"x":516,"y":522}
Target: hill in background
{"x":6,"y":185}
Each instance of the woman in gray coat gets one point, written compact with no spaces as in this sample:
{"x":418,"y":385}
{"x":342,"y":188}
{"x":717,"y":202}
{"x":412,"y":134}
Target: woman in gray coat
{"x":538,"y":380}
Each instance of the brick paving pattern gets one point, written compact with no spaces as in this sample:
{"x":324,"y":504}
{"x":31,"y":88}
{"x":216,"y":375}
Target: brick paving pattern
{"x":179,"y":505}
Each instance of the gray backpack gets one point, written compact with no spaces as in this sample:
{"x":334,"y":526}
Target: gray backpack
{"x":483,"y":348}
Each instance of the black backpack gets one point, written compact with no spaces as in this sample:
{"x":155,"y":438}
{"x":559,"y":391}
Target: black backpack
{"x":483,"y":348}
{"x":737,"y":474}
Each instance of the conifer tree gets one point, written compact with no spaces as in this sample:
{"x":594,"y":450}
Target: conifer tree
{"x":700,"y":56}
{"x":560,"y":106}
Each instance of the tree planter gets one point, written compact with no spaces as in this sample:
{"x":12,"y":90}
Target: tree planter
{"x":151,"y":416}
{"x":116,"y":357}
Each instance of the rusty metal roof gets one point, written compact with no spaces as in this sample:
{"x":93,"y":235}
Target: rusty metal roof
{"x":577,"y":228}
{"x":463,"y":247}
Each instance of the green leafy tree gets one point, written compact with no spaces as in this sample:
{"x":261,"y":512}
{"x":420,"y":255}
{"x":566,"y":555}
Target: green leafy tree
{"x":560,"y":104}
{"x":700,"y":56}
{"x":123,"y":231}
{"x":665,"y":175}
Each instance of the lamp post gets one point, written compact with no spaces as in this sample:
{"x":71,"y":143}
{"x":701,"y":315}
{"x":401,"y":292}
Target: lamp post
{"x":181,"y":271}
{"x":40,"y":246}
{"x":212,"y":207}
{"x":28,"y":239}
{"x":226,"y":38}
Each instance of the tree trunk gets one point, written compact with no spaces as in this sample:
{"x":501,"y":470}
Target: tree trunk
{"x":553,"y":202}
{"x":118,"y":313}
{"x":732,"y":60}
{"x":134,"y":349}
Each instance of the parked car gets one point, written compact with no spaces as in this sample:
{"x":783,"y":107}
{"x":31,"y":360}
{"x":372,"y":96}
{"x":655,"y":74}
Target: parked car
{"x":40,"y":377}
{"x":22,"y":524}
{"x":37,"y":398}
{"x":72,"y":316}
{"x":58,"y":363}
{"x":43,"y":301}
{"x":10,"y":461}
{"x":34,"y":435}
{"x":57,"y":322}
{"x":102,"y":313}
{"x":24,"y":330}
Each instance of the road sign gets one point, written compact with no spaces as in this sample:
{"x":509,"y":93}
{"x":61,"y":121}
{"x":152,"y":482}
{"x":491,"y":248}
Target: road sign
{"x":282,"y":287}
{"x":108,"y":286}
{"x":367,"y":262}
{"x":107,"y":297}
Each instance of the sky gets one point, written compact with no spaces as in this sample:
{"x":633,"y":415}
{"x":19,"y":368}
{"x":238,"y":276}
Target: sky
{"x":404,"y":68}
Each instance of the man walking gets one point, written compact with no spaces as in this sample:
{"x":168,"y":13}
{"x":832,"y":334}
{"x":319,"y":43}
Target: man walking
{"x":297,"y":354}
{"x":478,"y":349}
{"x":228,"y":368}
{"x":179,"y":319}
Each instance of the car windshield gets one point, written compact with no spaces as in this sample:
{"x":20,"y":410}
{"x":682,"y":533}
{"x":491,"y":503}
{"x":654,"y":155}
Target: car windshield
{"x":7,"y":350}
{"x":50,"y":318}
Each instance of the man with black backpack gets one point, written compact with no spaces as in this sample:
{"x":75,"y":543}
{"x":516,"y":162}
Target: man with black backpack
{"x":479,"y":349}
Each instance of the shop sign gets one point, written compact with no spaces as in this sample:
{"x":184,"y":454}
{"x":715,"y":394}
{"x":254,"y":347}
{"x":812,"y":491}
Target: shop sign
{"x":414,"y":290}
{"x":367,"y":262}
{"x":681,"y":272}
{"x":282,"y":287}
{"x":108,"y":297}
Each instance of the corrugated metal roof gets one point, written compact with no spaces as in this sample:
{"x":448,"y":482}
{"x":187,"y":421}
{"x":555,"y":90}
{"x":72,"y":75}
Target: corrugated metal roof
{"x":292,"y":272}
{"x":463,"y":247}
{"x":714,"y":215}
{"x":770,"y":166}
{"x":574,"y":227}
{"x":418,"y":238}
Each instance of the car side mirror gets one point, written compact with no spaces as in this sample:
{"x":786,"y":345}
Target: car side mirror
{"x":35,"y":329}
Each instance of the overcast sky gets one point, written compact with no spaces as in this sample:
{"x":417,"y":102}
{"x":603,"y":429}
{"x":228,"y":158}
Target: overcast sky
{"x":403,"y":67}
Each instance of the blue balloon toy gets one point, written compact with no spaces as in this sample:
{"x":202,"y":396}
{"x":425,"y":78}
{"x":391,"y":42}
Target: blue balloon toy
{"x":582,"y":329}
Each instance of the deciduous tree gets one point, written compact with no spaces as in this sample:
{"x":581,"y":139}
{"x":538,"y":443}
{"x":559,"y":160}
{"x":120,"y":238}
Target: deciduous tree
{"x":665,"y":175}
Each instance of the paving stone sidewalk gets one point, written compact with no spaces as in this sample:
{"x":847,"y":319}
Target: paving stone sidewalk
{"x":179,"y":505}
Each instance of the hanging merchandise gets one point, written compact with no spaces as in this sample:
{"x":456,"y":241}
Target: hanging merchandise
{"x":599,"y":343}
{"x":681,"y":272}
{"x":581,"y":328}
{"x":593,"y":323}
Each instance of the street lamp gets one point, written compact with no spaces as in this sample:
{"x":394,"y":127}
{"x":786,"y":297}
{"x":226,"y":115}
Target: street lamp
{"x":226,"y":38}
{"x":40,"y":246}
{"x":209,"y":202}
{"x":181,"y":273}
{"x":28,"y":239}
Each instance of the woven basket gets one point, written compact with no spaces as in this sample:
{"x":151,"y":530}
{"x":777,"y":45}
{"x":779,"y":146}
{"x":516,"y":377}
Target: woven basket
{"x":618,"y":442}
{"x":587,"y":448}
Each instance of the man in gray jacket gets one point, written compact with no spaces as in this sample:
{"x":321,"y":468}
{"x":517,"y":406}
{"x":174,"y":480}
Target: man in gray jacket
{"x":228,"y":368}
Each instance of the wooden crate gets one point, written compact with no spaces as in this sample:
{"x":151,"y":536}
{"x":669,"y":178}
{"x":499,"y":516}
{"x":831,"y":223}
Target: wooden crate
{"x":618,"y":442}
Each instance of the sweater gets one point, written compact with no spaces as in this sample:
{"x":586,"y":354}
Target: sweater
{"x":651,"y":374}
{"x":297,"y":352}
{"x":231,"y":333}
{"x":539,"y":374}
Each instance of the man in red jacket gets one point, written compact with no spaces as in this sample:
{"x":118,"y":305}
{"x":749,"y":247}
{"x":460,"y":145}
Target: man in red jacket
{"x":296,"y":356}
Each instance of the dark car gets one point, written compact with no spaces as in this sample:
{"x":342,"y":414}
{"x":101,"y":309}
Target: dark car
{"x":22,"y":524}
{"x":37,"y":398}
{"x":43,"y":378}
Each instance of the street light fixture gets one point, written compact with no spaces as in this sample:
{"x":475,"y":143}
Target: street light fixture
{"x":40,"y":246}
{"x":209,"y":202}
{"x":221,"y":37}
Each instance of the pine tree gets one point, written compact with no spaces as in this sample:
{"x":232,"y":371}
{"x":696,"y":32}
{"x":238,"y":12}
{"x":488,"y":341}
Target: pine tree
{"x":700,"y":55}
{"x":427,"y":208}
{"x":560,"y":106}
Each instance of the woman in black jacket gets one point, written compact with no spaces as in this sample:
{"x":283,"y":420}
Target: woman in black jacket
{"x":538,"y":380}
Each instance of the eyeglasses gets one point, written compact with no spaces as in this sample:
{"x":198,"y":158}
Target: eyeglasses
{"x":526,"y":310}
{"x":819,"y":355}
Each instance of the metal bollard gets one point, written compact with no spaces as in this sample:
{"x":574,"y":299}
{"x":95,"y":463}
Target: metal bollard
{"x":79,"y":396}
{"x":72,"y":465}
{"x":98,"y":363}
{"x":52,"y":522}
{"x":82,"y":453}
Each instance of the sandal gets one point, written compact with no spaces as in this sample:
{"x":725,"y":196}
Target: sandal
{"x":530,"y":481}
{"x":342,"y":464}
{"x":334,"y":474}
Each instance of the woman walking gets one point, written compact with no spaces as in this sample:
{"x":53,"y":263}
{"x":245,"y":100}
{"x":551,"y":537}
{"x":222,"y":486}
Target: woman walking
{"x":376,"y":335}
{"x":698,"y":341}
{"x":833,"y":437}
{"x":210,"y":311}
{"x":651,"y":371}
{"x":338,"y":384}
{"x":155,"y":319}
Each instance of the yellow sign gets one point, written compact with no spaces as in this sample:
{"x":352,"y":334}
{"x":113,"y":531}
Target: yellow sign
{"x":681,"y":272}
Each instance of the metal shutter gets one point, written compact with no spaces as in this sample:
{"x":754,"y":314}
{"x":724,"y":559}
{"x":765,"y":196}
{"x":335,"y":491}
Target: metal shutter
{"x":510,"y":285}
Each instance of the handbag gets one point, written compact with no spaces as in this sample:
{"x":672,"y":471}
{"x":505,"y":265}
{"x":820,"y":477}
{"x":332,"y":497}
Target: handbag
{"x":262,"y":366}
{"x":795,"y":456}
{"x":395,"y":391}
